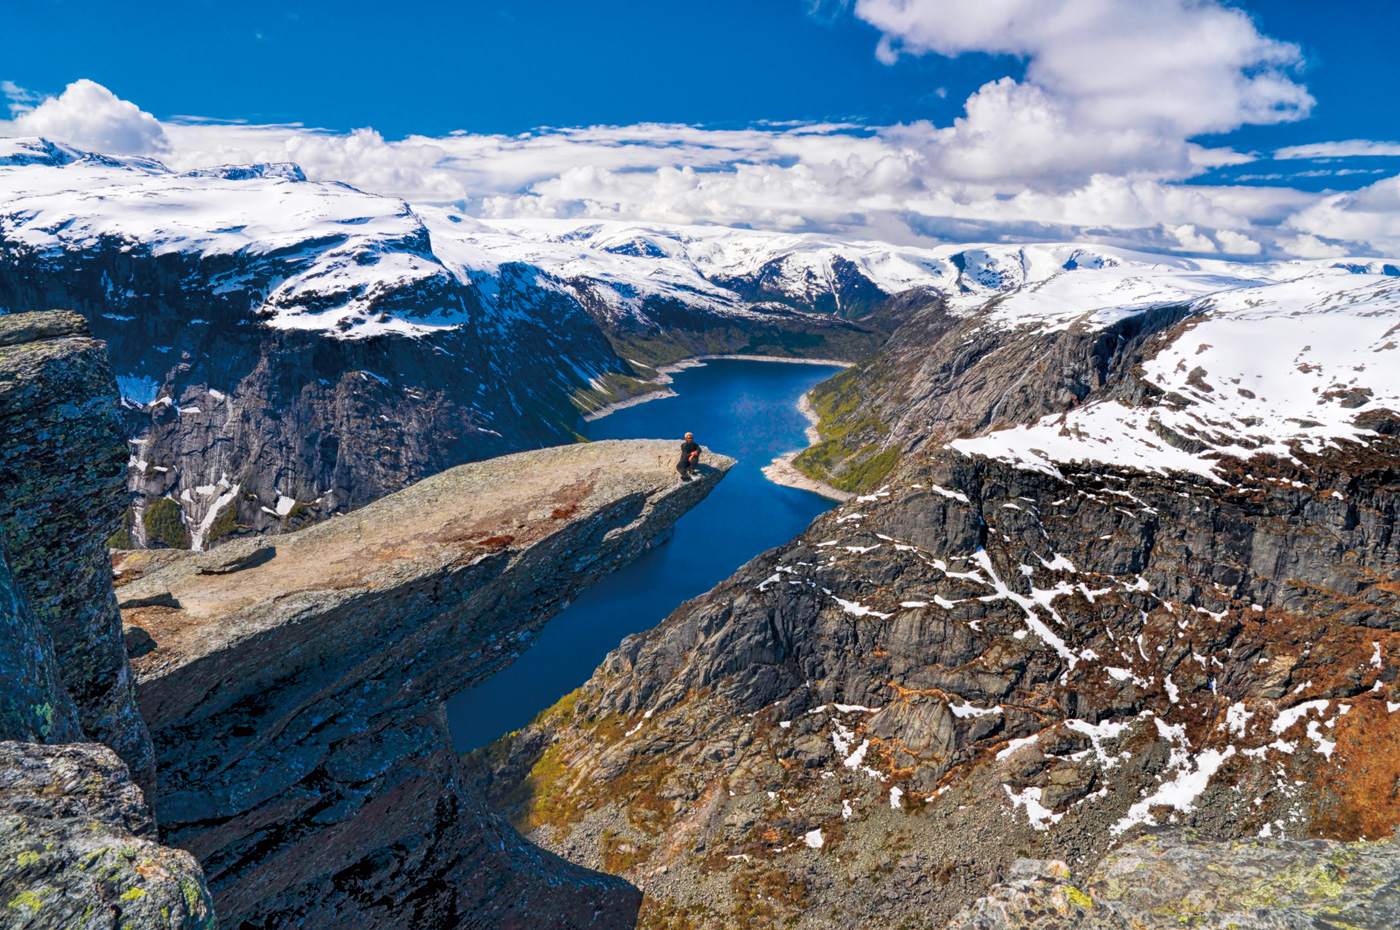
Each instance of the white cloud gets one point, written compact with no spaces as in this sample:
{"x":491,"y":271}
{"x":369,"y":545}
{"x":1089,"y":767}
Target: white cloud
{"x":1237,"y":243}
{"x":1191,"y":240}
{"x":1183,"y":67}
{"x":1309,"y":246}
{"x":1348,"y":149}
{"x":413,"y":169}
{"x":1110,"y":85}
{"x":1370,"y":215}
{"x":21,"y":100}
{"x":903,"y":184}
{"x":89,"y":116}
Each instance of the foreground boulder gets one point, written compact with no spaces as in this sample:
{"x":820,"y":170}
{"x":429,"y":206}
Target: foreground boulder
{"x":79,"y":848}
{"x":294,"y":690}
{"x":1168,"y":881}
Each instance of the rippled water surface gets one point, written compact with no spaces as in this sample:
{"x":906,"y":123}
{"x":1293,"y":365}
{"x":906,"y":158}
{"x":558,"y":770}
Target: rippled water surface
{"x":743,"y":408}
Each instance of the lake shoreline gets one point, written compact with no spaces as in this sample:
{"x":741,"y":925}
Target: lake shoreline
{"x":782,"y":469}
{"x":695,"y":361}
{"x":752,"y":412}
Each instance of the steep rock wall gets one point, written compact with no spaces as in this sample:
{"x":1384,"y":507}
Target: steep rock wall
{"x":294,"y":689}
{"x":34,"y":705}
{"x":238,"y":423}
{"x":984,"y":660}
{"x":78,"y":845}
{"x":942,"y":376}
{"x":61,"y":496}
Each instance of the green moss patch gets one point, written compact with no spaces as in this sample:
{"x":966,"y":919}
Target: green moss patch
{"x":851,"y":455}
{"x":164,"y":524}
{"x":225,"y":524}
{"x":121,"y":539}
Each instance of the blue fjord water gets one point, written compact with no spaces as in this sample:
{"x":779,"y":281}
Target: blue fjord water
{"x":743,"y":408}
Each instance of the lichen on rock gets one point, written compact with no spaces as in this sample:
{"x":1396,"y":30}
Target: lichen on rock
{"x":1168,"y":880}
{"x":78,"y":847}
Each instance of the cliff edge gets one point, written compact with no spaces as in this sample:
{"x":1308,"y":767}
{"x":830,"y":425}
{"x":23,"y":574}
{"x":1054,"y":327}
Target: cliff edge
{"x":294,"y":689}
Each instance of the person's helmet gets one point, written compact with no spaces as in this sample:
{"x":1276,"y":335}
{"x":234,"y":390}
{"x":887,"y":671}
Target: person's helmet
{"x":689,"y":435}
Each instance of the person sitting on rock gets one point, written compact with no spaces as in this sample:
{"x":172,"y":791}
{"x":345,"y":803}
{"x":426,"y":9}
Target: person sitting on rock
{"x":690,"y":457}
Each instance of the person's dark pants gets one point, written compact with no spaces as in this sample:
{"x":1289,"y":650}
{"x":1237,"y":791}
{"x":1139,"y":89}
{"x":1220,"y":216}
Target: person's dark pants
{"x":686,"y":467}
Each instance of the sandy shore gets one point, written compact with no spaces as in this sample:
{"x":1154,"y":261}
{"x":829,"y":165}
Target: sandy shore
{"x":629,"y":402}
{"x":695,"y":361}
{"x":782,"y":471}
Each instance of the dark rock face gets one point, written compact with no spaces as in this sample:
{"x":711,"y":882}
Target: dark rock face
{"x":287,"y":349}
{"x":844,"y":291}
{"x":295,"y":690}
{"x":80,"y":849}
{"x":34,"y":706}
{"x":980,"y":662}
{"x":77,"y":841}
{"x":942,"y":376}
{"x":232,"y":417}
{"x":61,"y":496}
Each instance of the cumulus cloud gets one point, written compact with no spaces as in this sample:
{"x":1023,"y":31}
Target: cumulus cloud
{"x":89,"y":116}
{"x":1191,"y":240}
{"x":905,"y":184}
{"x":1110,"y":85}
{"x":1236,"y":243}
{"x":1348,"y":149}
{"x":1309,"y":246}
{"x":414,"y":169}
{"x":1371,"y":215}
{"x":1184,"y":66}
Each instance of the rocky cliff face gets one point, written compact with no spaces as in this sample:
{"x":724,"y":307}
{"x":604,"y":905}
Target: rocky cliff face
{"x":34,"y":705}
{"x":287,"y":349}
{"x":61,"y":477}
{"x":239,"y":424}
{"x":77,"y":840}
{"x":1167,"y":599}
{"x":294,"y":690}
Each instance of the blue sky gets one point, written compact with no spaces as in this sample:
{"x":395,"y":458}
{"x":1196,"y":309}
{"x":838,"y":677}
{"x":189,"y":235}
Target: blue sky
{"x":508,"y":68}
{"x":1286,"y":73}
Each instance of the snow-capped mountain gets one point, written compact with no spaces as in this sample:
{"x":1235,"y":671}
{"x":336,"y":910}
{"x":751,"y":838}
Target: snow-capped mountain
{"x":288,"y":348}
{"x":346,"y":259}
{"x":1257,"y":367}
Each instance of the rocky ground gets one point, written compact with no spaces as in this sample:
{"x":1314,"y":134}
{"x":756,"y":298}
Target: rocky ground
{"x":1166,"y":881}
{"x":79,"y":848}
